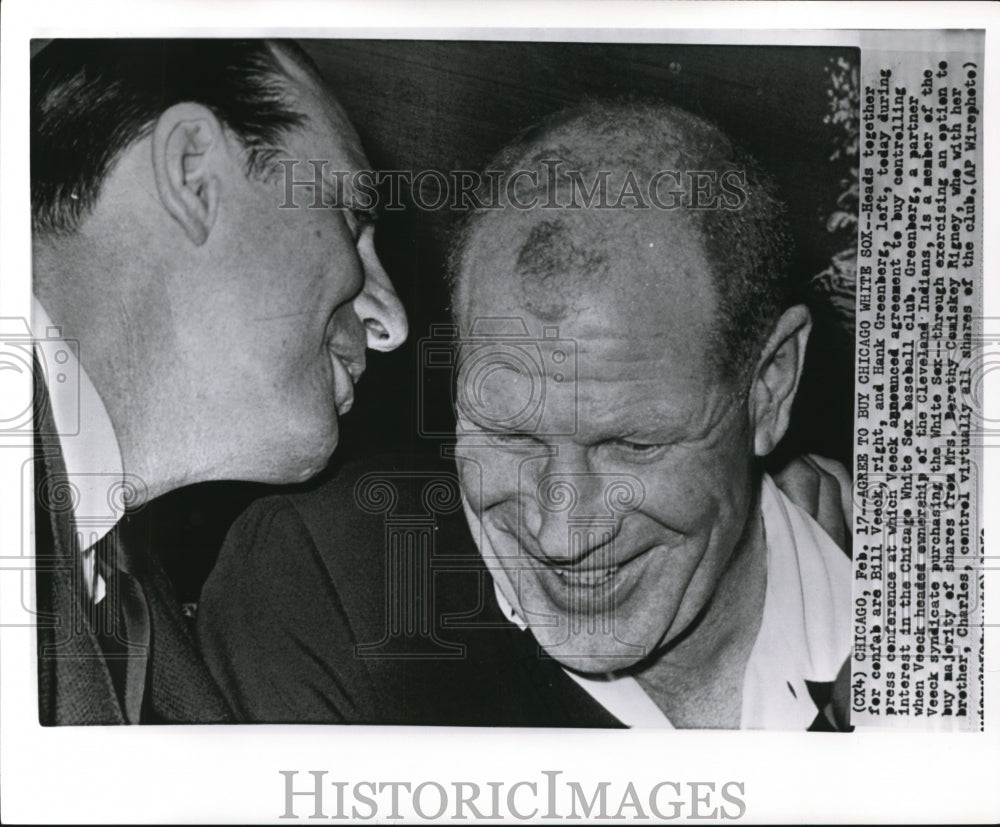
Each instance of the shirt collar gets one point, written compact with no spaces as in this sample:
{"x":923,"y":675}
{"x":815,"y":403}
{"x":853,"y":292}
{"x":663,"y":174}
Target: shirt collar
{"x":86,"y":435}
{"x":805,"y":632}
{"x":509,"y":612}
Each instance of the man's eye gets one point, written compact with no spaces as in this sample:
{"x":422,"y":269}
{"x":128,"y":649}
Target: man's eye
{"x":354,"y":227}
{"x":644,"y":450}
{"x":359,"y":219}
{"x":513,"y":440}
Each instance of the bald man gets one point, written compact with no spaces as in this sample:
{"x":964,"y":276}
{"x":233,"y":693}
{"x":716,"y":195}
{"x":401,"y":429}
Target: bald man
{"x":626,"y":362}
{"x":628,"y":523}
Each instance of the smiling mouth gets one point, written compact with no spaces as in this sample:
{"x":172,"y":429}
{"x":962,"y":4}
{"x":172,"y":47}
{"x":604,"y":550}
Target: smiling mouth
{"x":602,"y":579}
{"x":586,"y":579}
{"x":586,"y":592}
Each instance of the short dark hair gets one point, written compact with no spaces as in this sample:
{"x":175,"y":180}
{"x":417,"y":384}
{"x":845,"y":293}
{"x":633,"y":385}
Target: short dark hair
{"x":748,"y":248}
{"x":92,"y":99}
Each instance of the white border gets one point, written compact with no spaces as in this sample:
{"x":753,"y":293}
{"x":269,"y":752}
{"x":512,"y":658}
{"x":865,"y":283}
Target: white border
{"x":189,"y":774}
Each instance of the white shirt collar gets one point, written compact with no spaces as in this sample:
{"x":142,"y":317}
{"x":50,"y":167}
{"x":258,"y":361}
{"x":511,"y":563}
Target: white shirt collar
{"x":804,"y":634}
{"x":89,"y":446}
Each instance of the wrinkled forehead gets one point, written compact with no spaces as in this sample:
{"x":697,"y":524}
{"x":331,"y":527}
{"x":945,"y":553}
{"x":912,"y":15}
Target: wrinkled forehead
{"x":591,"y":271}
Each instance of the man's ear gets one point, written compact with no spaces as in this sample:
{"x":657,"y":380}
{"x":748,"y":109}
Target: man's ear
{"x":777,"y":378}
{"x":187,"y":178}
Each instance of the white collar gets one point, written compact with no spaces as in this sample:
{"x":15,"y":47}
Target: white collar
{"x":89,"y":446}
{"x":804,"y":634}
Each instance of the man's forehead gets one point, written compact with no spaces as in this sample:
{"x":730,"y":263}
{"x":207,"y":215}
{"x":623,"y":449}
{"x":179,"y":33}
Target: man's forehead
{"x":625,"y":270}
{"x":326,"y":116}
{"x":608,"y":383}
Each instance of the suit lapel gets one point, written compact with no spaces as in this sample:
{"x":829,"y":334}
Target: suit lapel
{"x":179,"y":687}
{"x":74,"y":685}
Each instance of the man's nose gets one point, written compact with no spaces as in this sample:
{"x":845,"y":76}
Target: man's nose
{"x":377,"y":305}
{"x":568,"y":518}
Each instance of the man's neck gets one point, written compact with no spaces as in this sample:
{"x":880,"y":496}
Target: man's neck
{"x":698,"y":682}
{"x":100,"y":321}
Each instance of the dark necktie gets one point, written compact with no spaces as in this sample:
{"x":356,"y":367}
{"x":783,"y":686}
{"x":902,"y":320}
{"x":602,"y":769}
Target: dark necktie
{"x":121,"y":621}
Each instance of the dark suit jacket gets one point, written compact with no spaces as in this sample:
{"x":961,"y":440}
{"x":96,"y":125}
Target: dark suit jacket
{"x":365,"y":601}
{"x":74,"y":683}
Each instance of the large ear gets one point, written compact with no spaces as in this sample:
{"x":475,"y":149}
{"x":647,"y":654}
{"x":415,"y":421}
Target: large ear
{"x":187,"y":140}
{"x":777,"y":378}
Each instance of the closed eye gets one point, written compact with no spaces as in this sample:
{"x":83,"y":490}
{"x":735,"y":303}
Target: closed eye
{"x":510,"y":438}
{"x":507,"y":440}
{"x":637,"y":450}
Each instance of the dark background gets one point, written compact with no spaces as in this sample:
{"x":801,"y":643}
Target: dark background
{"x":449,"y":105}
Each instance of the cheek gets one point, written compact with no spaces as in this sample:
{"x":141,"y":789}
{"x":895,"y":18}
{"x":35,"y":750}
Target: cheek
{"x":705,"y":486}
{"x":318,"y":243}
{"x":489,"y":475}
{"x":472,"y":461}
{"x":686,"y":499}
{"x":700,"y":509}
{"x":713,"y":507}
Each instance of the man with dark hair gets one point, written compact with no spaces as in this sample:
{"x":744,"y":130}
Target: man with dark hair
{"x":621,"y":374}
{"x":220,"y":327}
{"x":618,"y":494}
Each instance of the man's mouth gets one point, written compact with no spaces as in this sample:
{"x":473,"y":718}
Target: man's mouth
{"x":605,"y":576}
{"x":586,"y":579}
{"x":590,"y":589}
{"x":343,"y":384}
{"x":610,"y":578}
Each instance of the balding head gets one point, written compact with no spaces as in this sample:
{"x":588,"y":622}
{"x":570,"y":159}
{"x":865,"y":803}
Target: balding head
{"x":602,"y":178}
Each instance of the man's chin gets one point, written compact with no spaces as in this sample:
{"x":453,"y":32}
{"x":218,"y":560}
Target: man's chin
{"x":306,"y":458}
{"x":321,"y":457}
{"x":590,"y":654}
